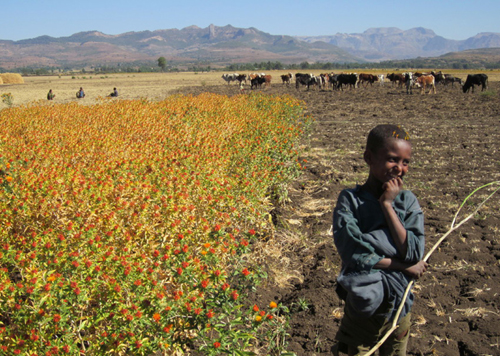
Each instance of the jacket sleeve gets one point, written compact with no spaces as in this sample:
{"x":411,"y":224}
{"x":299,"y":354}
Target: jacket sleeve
{"x":355,"y":252}
{"x":413,"y":221}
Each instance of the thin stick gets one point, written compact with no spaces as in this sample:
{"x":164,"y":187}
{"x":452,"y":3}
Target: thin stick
{"x":453,"y":227}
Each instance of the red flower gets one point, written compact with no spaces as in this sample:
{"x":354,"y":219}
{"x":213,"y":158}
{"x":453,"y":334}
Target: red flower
{"x":245,"y":272}
{"x":179,"y":271}
{"x":57,"y":318}
{"x":255,"y":308}
{"x":251,"y":232}
{"x":216,"y":344}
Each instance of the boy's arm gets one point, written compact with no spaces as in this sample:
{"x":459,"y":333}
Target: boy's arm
{"x":398,"y":231}
{"x":354,"y":251}
{"x":413,"y":270}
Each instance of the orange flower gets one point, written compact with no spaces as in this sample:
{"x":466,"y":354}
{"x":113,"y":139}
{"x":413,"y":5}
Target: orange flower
{"x":156,"y":317}
{"x":273,"y":305}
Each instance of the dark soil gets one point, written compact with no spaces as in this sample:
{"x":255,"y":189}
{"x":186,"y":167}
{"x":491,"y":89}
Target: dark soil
{"x":456,"y":139}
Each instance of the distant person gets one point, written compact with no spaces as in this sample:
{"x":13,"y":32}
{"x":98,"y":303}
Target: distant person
{"x":80,"y":94}
{"x":50,"y":95}
{"x":114,"y":93}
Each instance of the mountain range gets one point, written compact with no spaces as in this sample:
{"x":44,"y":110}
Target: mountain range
{"x":219,"y":46}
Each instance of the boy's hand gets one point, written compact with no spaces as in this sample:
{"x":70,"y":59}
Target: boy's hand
{"x":391,"y":190}
{"x":417,"y":270}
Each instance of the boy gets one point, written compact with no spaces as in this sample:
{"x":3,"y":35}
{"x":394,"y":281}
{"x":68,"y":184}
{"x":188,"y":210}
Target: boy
{"x":379,"y":234}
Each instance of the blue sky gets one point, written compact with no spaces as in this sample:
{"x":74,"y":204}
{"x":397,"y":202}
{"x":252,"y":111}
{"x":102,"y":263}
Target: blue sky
{"x":457,"y":20}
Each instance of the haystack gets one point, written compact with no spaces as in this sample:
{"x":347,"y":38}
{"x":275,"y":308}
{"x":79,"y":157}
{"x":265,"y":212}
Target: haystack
{"x":11,"y":78}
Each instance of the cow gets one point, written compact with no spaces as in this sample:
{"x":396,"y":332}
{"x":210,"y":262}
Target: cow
{"x":257,"y":82}
{"x":230,"y":77}
{"x":427,"y":80}
{"x":410,"y":82}
{"x":286,"y":78}
{"x":267,"y":80}
{"x":305,"y":79}
{"x":347,"y":79}
{"x":451,"y":79}
{"x":396,"y":78}
{"x":241,"y":78}
{"x":367,"y":79}
{"x":475,"y":79}
{"x":332,"y":79}
{"x":439,"y":77}
{"x":381,"y":78}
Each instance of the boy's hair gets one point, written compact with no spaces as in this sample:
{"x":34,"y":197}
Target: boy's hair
{"x":380,"y":134}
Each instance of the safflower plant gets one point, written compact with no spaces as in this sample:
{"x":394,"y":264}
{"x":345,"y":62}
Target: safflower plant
{"x":127,"y":227}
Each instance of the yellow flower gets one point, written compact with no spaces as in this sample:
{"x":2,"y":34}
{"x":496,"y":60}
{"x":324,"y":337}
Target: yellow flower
{"x":258,"y":318}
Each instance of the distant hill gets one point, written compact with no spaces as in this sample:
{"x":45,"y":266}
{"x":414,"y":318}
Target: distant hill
{"x":217,"y":45}
{"x":389,"y":43}
{"x":220,"y":46}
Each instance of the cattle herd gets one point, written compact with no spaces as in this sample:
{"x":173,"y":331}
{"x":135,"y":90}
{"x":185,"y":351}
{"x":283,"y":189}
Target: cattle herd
{"x":409,"y":80}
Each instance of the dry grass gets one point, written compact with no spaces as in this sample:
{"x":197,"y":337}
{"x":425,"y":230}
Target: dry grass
{"x":11,"y":78}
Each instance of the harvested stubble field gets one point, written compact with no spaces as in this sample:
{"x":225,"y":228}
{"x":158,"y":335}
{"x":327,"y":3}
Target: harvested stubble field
{"x":456,"y":140}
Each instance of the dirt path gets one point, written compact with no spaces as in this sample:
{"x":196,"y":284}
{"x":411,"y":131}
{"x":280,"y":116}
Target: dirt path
{"x":456,"y":140}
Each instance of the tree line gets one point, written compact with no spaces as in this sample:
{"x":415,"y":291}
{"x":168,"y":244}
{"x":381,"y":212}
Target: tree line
{"x":162,"y":65}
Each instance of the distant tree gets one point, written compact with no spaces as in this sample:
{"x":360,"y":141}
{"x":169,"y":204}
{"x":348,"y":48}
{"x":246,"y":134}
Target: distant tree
{"x":162,"y":63}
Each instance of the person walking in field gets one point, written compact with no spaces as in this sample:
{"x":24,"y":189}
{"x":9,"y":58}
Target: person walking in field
{"x":80,"y":94}
{"x":50,"y":95}
{"x":379,"y":234}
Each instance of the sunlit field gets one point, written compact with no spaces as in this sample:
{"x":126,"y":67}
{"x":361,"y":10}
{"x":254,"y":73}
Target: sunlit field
{"x":154,"y":86}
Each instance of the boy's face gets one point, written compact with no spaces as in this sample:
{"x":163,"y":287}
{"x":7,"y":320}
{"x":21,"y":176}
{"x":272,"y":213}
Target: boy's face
{"x":390,"y":161}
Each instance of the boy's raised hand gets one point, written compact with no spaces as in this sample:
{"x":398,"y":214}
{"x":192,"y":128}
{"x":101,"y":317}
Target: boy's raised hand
{"x":391,"y":190}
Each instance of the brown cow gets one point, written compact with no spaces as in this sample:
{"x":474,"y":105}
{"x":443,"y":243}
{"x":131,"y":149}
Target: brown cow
{"x":425,"y":80}
{"x":367,"y":79}
{"x":286,"y":78}
{"x":267,"y":78}
{"x":396,"y":78}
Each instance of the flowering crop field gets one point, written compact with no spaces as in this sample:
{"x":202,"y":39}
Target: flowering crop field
{"x":125,"y":225}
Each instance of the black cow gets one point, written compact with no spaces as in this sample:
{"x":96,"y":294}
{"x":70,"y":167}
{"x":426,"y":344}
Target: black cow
{"x":439,"y":77}
{"x":346,"y":79}
{"x":475,"y":79}
{"x":332,"y":79}
{"x":257,"y":82}
{"x":305,"y":79}
{"x":241,"y":78}
{"x":451,"y":79}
